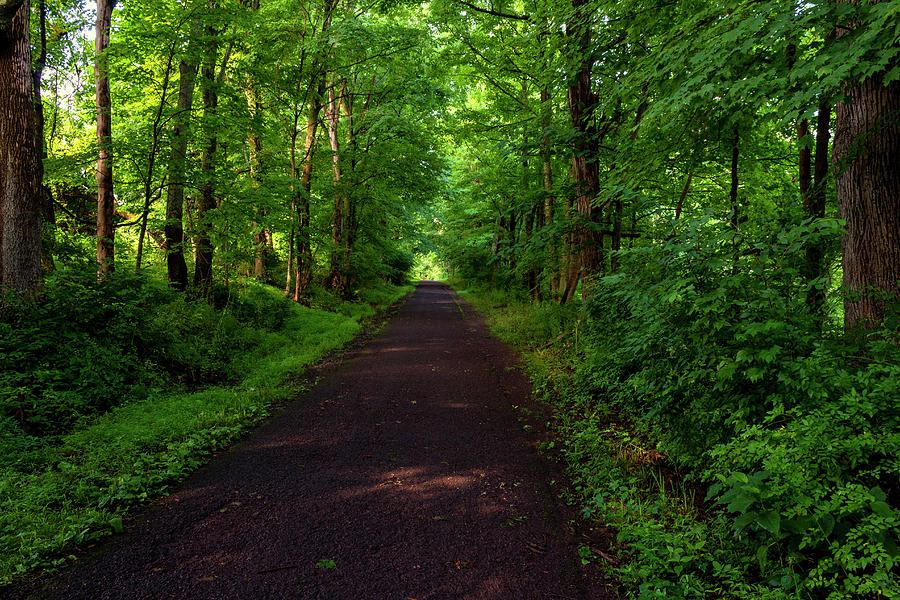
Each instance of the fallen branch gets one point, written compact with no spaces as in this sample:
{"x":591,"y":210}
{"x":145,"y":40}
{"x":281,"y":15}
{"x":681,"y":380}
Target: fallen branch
{"x":605,"y":556}
{"x":559,"y":337}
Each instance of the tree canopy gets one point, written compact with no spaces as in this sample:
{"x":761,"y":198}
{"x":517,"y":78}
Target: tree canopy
{"x":712,"y":188}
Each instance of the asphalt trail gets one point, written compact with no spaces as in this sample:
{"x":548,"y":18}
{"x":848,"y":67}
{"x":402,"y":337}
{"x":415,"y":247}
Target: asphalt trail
{"x":406,"y":466}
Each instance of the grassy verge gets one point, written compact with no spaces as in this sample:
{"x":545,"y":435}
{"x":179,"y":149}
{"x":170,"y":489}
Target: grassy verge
{"x":76,"y":489}
{"x":666,"y":545}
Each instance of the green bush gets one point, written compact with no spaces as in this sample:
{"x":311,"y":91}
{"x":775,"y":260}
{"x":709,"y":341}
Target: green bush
{"x":706,"y":350}
{"x":80,"y":350}
{"x":797,"y":430}
{"x":110,"y":454}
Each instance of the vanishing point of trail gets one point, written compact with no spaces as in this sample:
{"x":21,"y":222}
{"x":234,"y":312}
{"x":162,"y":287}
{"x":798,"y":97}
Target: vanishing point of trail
{"x":405,"y":466}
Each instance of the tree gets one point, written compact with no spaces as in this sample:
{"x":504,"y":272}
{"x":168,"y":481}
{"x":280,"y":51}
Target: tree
{"x":582,"y":102}
{"x":302,"y":201}
{"x":211,"y":81}
{"x":866,"y":155}
{"x":106,"y":201}
{"x":37,"y":72}
{"x":20,"y":180}
{"x":176,"y":266}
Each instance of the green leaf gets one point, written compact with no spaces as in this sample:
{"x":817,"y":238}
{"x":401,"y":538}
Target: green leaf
{"x":882,"y":509}
{"x":740,"y":503}
{"x":761,"y":553}
{"x":770,"y":521}
{"x":116,"y":524}
{"x":769,"y":354}
{"x":826,"y":524}
{"x":326,"y":563}
{"x":798,"y":525}
{"x":742,"y":521}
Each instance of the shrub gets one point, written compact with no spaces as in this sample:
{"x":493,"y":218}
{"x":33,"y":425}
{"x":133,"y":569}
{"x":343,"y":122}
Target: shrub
{"x":796,"y":429}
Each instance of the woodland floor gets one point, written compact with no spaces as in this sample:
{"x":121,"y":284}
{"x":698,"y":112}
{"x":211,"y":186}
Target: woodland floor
{"x":406,"y":465}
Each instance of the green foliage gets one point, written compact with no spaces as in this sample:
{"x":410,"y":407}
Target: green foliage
{"x":712,"y":357}
{"x":106,"y":456}
{"x":722,"y":361}
{"x":80,"y":350}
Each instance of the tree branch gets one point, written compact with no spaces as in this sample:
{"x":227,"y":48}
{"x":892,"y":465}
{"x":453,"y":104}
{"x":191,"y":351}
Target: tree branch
{"x":494,"y":12}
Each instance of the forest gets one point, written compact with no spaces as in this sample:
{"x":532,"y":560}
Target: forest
{"x":684,"y":214}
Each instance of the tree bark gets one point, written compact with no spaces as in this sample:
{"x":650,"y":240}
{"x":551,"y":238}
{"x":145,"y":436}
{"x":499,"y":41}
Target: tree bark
{"x":304,"y":242}
{"x":20,"y":183}
{"x":547,"y":181}
{"x":582,"y":101}
{"x":804,"y":160}
{"x":176,"y":266}
{"x":684,"y":192}
{"x":866,"y":154}
{"x":302,"y":199}
{"x":48,"y":229}
{"x":206,"y":200}
{"x":571,"y":267}
{"x":338,"y":220}
{"x":261,"y":237}
{"x":533,"y":213}
{"x":814,"y":206}
{"x":351,"y":222}
{"x":106,"y":202}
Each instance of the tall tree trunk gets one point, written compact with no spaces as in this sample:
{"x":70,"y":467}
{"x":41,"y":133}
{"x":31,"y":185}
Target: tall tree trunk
{"x":532,"y":214}
{"x":351,"y":222}
{"x":615,"y":244}
{"x":547,"y":182}
{"x":582,"y":102}
{"x":527,"y":233}
{"x":496,"y":240}
{"x":571,"y":265}
{"x":334,"y":280}
{"x":804,"y":160}
{"x":176,"y":266}
{"x":684,"y":192}
{"x":106,"y":202}
{"x":814,"y":205}
{"x":866,"y":154}
{"x":302,"y":199}
{"x":151,"y":158}
{"x":294,"y":187}
{"x":48,"y":228}
{"x":206,"y":200}
{"x":304,"y":242}
{"x":20,"y":183}
{"x":261,"y":236}
{"x":512,"y":228}
{"x":813,"y":192}
{"x":733,"y":191}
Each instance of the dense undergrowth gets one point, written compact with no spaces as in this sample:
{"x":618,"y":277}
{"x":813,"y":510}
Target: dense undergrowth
{"x":740,"y":447}
{"x":112,"y":391}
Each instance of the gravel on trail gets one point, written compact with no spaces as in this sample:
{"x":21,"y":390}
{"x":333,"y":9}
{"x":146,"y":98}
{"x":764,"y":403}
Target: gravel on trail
{"x":404,"y":473}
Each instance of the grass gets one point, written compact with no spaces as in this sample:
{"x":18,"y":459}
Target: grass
{"x":54,"y":497}
{"x":664,"y":546}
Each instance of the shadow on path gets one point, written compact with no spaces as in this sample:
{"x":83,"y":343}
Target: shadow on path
{"x":405,"y":466}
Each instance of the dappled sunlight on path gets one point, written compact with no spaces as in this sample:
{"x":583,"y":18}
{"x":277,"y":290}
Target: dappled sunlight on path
{"x":405,"y":467}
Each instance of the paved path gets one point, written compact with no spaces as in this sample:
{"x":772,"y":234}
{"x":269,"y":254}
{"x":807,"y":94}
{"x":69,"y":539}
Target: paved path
{"x":405,"y":466}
